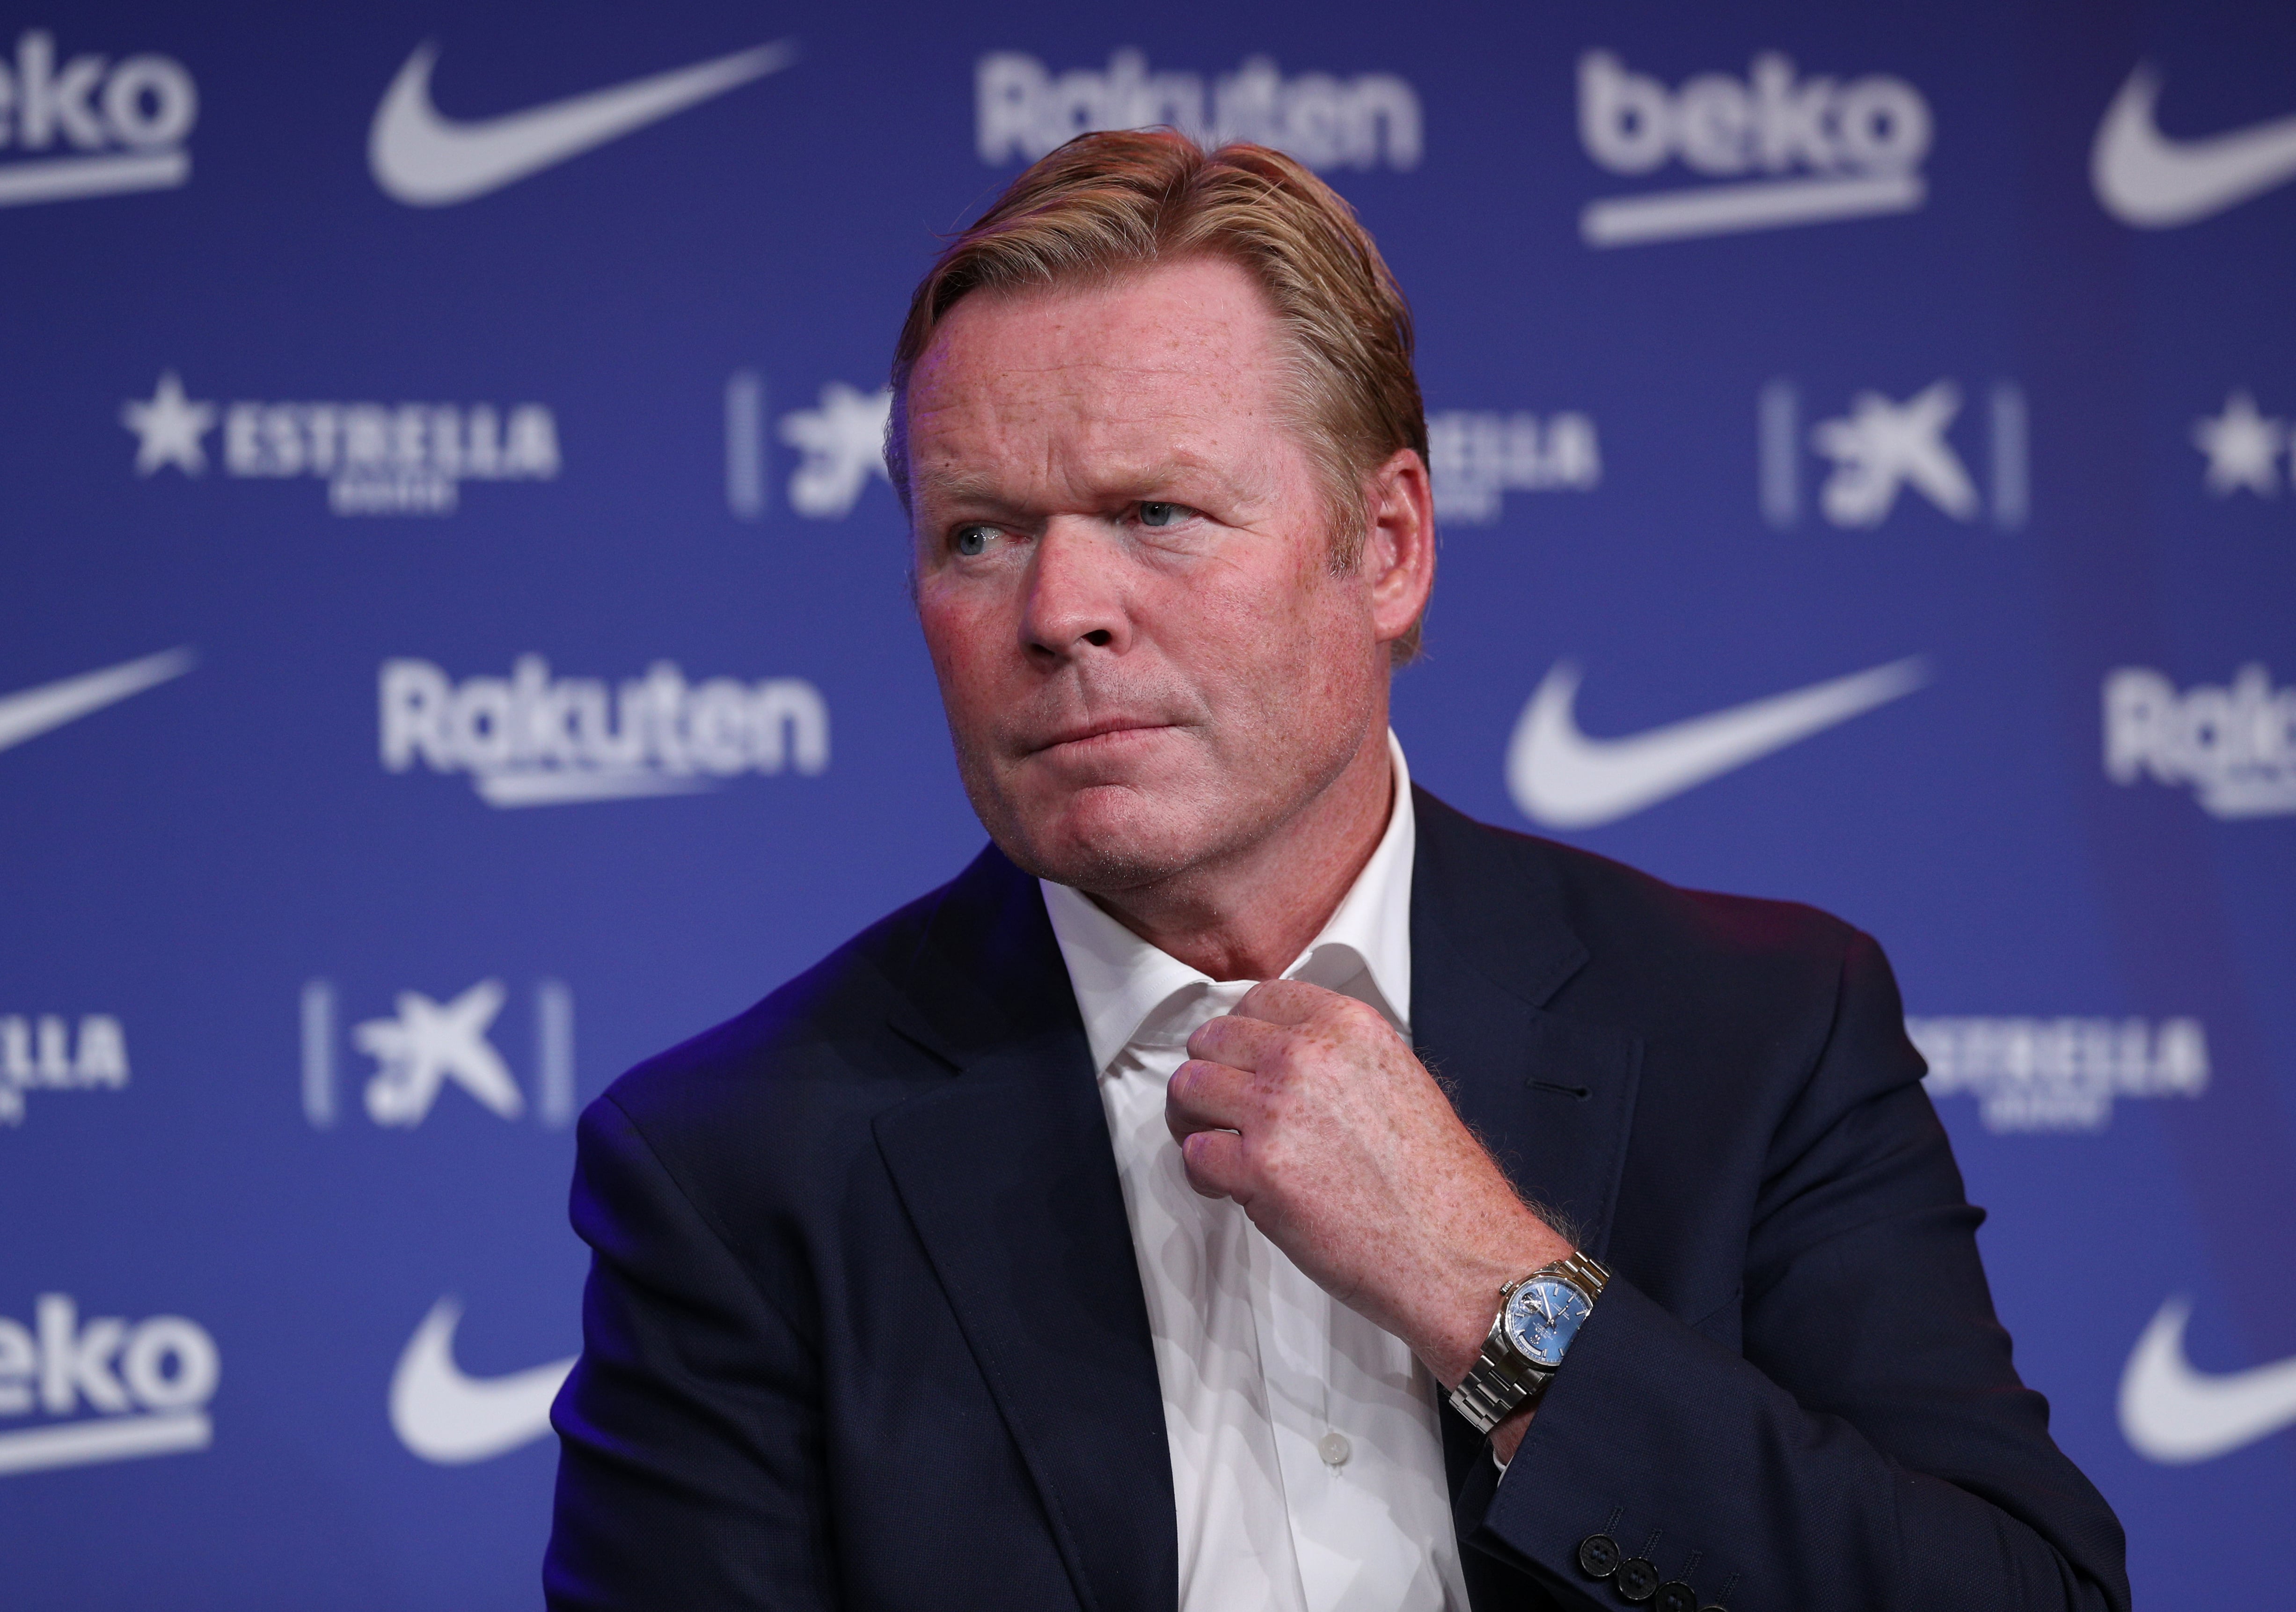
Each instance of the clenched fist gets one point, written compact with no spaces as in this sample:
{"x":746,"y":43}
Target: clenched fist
{"x":1309,"y":1110}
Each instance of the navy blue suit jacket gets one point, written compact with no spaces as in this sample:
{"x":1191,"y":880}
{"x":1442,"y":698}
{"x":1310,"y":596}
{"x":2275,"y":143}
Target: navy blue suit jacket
{"x":864,"y":1327}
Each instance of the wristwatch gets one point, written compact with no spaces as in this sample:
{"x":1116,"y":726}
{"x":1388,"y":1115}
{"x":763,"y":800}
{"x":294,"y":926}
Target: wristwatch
{"x":1538,"y":1316}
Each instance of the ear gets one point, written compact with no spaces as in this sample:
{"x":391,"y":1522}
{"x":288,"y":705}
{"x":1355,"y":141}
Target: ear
{"x":1398,"y":556}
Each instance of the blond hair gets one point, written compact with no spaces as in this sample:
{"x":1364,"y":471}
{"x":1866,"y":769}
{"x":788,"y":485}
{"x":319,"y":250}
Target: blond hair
{"x":1106,"y":204}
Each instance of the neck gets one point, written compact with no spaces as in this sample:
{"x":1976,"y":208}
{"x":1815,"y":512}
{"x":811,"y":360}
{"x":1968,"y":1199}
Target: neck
{"x":1248,"y":915}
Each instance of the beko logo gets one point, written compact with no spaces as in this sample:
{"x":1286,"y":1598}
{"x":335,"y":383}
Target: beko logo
{"x":121,"y":126}
{"x":1024,"y":109}
{"x":1797,"y":150}
{"x":147,"y":1387}
{"x":531,"y":739}
{"x":2235,"y":746}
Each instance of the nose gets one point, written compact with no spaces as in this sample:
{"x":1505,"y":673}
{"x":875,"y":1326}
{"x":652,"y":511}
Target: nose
{"x":1075,"y":599}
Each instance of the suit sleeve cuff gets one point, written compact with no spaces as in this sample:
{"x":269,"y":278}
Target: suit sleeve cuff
{"x":1576,"y":1466}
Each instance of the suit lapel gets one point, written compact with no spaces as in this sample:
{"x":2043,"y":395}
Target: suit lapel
{"x":1552,"y":1097}
{"x":1490,"y":947}
{"x":1007,"y":1172}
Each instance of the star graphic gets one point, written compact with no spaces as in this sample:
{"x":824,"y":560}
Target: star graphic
{"x":2243,"y":446}
{"x":844,"y":445}
{"x":169,"y":426}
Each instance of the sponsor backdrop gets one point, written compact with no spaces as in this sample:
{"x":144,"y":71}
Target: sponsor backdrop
{"x":457,"y":646}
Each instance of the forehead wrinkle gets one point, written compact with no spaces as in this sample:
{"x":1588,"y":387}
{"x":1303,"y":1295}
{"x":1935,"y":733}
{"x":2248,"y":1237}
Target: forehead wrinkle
{"x":969,"y":440}
{"x":1017,"y":403}
{"x":1141,"y":480}
{"x":955,"y":486}
{"x":1098,"y":481}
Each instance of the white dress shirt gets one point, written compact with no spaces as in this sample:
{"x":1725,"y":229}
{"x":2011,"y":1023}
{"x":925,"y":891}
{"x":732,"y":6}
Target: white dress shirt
{"x":1306,"y":1459}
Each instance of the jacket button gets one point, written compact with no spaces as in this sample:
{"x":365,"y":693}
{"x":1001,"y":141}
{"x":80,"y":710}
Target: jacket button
{"x":1637,"y":1580}
{"x":1675,"y":1597}
{"x":1598,"y":1555}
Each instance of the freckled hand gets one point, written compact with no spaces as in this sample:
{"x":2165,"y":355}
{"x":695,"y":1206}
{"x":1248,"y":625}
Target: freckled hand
{"x":1309,"y":1110}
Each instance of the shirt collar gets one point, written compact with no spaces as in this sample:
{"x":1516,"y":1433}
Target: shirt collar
{"x":1126,"y":989}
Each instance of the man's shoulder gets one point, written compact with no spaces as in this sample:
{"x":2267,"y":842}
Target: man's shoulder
{"x":1734,"y":1002}
{"x":825,"y":1041}
{"x":1646,"y":933}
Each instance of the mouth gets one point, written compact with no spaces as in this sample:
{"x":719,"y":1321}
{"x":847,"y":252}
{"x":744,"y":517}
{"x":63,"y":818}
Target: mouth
{"x":1108,"y":733}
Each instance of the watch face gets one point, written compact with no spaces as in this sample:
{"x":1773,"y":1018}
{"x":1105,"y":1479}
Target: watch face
{"x":1543,"y":1316}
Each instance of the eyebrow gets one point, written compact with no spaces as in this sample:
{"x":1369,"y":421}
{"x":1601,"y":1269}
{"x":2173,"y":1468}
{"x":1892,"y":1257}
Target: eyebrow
{"x":971,"y":488}
{"x":954,"y":487}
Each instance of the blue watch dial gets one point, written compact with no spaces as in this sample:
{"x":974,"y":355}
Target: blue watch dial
{"x":1543,"y":1316}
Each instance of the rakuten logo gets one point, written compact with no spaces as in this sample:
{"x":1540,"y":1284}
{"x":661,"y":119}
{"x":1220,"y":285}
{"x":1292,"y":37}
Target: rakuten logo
{"x":1024,"y":109}
{"x":2235,"y":746}
{"x":1859,"y":146}
{"x":531,"y":739}
{"x":146,"y":1386}
{"x":123,"y":124}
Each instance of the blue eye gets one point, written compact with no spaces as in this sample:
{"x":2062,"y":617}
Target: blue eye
{"x":1160,"y":515}
{"x":970,"y":540}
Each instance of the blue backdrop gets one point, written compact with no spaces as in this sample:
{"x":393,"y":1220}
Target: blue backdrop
{"x":458,"y":646}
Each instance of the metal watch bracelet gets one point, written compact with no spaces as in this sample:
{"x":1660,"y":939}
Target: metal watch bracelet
{"x":1501,"y":1379}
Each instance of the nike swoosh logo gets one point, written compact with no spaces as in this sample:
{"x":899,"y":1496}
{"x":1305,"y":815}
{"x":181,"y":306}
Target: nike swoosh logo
{"x":1563,"y":780}
{"x":2144,"y":178}
{"x":2173,"y":1414}
{"x":452,"y":1419}
{"x":34,"y":710}
{"x":426,"y":160}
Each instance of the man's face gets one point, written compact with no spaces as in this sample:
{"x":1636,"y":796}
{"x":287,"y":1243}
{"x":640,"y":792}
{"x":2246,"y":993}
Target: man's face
{"x":1123,"y":564}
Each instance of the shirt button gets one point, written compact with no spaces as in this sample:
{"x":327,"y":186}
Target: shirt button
{"x":1334,"y":1448}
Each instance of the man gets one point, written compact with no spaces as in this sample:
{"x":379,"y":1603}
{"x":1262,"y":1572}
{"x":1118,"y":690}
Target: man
{"x":1252,"y":1184}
